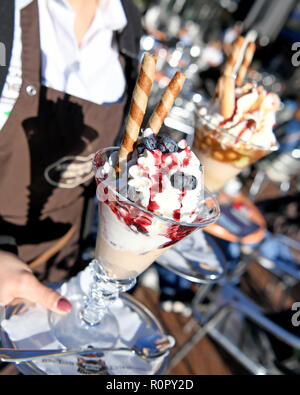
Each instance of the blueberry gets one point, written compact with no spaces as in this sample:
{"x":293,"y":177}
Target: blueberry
{"x":182,"y":181}
{"x":168,"y":143}
{"x":140,"y":148}
{"x":150,"y":142}
{"x":190,"y":182}
{"x":162,"y":148}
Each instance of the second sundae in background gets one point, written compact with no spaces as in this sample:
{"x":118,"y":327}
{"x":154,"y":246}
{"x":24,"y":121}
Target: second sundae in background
{"x":235,"y":129}
{"x":150,"y":191}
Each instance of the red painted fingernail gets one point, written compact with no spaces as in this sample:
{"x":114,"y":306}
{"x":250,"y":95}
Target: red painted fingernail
{"x":64,"y":305}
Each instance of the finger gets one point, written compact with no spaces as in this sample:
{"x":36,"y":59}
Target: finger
{"x":31,"y":289}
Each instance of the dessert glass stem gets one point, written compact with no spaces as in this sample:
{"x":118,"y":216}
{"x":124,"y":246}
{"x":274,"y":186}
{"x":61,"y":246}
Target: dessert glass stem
{"x":102,"y":293}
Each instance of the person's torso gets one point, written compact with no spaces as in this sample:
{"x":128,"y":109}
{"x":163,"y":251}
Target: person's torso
{"x":46,"y":146}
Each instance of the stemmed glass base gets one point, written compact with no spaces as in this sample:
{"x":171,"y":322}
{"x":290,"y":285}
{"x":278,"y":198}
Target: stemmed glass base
{"x":91,"y":322}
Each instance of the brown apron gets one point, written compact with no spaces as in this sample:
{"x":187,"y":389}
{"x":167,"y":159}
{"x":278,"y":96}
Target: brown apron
{"x":45,"y":150}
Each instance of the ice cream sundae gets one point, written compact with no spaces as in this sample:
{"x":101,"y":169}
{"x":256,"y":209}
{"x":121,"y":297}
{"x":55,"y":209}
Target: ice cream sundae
{"x":235,"y":129}
{"x":150,"y":191}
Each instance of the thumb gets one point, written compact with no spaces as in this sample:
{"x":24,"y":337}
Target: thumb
{"x":36,"y":292}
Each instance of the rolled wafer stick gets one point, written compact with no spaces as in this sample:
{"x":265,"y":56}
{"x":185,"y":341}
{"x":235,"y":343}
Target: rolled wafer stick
{"x":247,"y":88}
{"x":166,"y":102}
{"x":232,"y":61}
{"x":246,"y":63}
{"x":227,"y":96}
{"x":138,"y":106}
{"x":234,"y":58}
{"x":261,"y":97}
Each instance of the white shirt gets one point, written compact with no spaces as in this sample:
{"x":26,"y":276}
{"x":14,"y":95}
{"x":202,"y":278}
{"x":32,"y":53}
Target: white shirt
{"x":92,"y":72}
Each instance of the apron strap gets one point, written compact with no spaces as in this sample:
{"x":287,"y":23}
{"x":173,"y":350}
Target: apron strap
{"x":45,"y":256}
{"x":31,"y":57}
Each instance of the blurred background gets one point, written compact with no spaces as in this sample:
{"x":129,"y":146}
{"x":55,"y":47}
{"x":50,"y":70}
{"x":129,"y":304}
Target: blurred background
{"x":204,"y":31}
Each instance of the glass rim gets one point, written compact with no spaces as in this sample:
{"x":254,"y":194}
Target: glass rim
{"x":219,"y":129}
{"x":209,"y":196}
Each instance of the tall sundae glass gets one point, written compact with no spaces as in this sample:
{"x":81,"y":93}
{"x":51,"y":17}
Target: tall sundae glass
{"x":150,"y":195}
{"x":129,"y":239}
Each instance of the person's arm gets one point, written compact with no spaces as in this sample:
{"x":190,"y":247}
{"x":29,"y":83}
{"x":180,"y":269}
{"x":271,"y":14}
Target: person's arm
{"x":16,"y":278}
{"x":18,"y":281}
